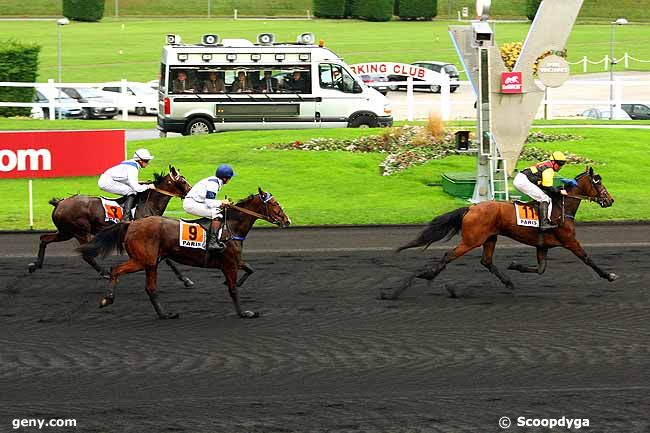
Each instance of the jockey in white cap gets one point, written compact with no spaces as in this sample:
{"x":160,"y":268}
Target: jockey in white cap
{"x":122,"y":179}
{"x":202,"y":201}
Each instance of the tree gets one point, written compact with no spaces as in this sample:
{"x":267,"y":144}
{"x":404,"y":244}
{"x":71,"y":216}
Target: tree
{"x":329,"y":8}
{"x":83,"y":10}
{"x":373,"y":10}
{"x":417,"y":9}
{"x":531,"y":8}
{"x":18,"y":63}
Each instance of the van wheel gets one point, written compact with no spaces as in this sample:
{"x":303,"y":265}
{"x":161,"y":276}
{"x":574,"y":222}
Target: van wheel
{"x":393,"y":88}
{"x":435,"y":88}
{"x":140,"y":111}
{"x":199,"y":126}
{"x":363,"y":121}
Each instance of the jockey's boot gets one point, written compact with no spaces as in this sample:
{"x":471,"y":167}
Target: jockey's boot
{"x":214,"y":244}
{"x":544,"y":222}
{"x":127,"y":206}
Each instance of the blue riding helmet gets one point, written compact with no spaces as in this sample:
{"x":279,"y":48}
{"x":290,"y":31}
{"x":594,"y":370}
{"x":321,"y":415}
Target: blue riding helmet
{"x":224,"y":170}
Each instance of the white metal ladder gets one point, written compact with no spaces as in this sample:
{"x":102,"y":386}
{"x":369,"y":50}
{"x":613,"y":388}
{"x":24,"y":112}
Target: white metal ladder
{"x":498,"y":173}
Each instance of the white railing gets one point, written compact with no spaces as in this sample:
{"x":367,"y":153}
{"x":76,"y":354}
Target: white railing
{"x":606,"y":62}
{"x":54,"y":102}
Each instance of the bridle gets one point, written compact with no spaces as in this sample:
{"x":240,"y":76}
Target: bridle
{"x":266,"y":217}
{"x":175,"y":177}
{"x":599,"y":198}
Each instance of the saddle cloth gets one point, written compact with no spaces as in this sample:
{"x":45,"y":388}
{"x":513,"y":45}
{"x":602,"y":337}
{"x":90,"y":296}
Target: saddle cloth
{"x":527,"y":214}
{"x":192,"y":234}
{"x":113,"y":212}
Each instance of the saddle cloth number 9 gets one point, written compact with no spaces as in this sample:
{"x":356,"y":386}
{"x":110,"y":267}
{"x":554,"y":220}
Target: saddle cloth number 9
{"x":112,"y":211}
{"x":527,"y":215}
{"x":191,"y":235}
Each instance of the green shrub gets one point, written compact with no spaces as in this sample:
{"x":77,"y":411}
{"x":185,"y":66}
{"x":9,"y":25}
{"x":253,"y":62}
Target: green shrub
{"x":18,"y":62}
{"x":329,"y":8}
{"x":417,"y":9}
{"x":83,"y":10}
{"x":373,"y":10}
{"x":531,"y":8}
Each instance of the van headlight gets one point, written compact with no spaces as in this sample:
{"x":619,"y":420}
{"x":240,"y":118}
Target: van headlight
{"x":388,"y":109}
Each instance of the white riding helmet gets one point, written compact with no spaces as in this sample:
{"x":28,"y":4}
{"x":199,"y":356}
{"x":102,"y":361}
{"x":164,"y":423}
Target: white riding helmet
{"x":143,"y":154}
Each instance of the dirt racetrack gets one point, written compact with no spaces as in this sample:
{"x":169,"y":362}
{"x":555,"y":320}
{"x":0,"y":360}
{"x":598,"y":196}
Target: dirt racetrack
{"x":326,"y":355}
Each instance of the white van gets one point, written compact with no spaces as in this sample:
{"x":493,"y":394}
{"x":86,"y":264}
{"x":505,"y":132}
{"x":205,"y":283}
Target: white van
{"x":139,"y":97}
{"x":235,"y":84}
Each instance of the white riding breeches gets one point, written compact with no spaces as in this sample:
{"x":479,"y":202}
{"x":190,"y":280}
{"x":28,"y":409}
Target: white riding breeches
{"x":524,"y":185}
{"x":200,"y":209}
{"x":106,"y":183}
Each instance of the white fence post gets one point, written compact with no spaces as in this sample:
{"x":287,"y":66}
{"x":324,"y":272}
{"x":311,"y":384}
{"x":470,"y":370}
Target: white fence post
{"x":409,"y":99}
{"x":618,"y":95}
{"x":607,"y":62}
{"x":445,"y":100}
{"x":235,"y":14}
{"x":585,"y":62}
{"x":31,"y":206}
{"x":51,"y":101}
{"x":627,"y":60}
{"x":125,"y":97}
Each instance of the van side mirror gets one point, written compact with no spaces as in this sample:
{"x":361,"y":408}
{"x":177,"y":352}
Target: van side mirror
{"x":356,"y":88}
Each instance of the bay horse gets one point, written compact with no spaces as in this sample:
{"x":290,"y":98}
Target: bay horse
{"x":149,"y":240}
{"x":81,"y":217}
{"x":481,"y":224}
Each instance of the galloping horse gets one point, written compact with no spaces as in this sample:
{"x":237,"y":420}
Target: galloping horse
{"x":149,"y":240}
{"x":482,"y":223}
{"x":81,"y":217}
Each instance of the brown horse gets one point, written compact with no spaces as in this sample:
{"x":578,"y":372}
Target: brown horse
{"x":482,"y":223}
{"x":81,"y":217}
{"x":149,"y":240}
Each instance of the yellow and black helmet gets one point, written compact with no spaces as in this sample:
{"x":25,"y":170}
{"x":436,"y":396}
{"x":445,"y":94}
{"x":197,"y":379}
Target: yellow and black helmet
{"x":558,"y":157}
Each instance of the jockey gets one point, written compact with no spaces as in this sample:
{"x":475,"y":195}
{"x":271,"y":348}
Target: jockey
{"x":202,"y":201}
{"x":535,"y":180}
{"x":122,"y":179}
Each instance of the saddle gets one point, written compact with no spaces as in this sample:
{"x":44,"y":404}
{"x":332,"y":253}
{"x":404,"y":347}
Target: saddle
{"x":203,"y":222}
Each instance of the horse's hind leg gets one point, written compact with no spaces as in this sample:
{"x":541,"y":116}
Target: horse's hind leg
{"x":486,"y":260}
{"x":248,"y":271}
{"x":84,"y":239}
{"x":125,"y":268}
{"x":151,"y":288}
{"x":185,"y":280}
{"x":45,"y":240}
{"x":541,"y":264}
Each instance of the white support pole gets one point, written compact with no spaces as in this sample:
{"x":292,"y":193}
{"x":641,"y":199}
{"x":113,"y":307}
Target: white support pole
{"x":445,"y":100}
{"x":31,"y":206}
{"x":627,"y":60}
{"x":235,"y":14}
{"x":409,"y":99}
{"x":549,"y":103}
{"x":607,"y":62}
{"x":125,"y":106}
{"x":618,"y":95}
{"x":117,"y":8}
{"x":584,"y":66}
{"x":209,"y":9}
{"x":51,"y":101}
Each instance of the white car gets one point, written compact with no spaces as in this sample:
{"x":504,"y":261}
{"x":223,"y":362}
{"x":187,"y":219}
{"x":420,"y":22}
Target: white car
{"x":140,"y":98}
{"x":154,"y":84}
{"x":597,"y":113}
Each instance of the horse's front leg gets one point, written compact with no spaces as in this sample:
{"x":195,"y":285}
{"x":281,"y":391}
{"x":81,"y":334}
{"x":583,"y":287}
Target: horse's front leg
{"x":574,"y":246}
{"x":152,"y":291}
{"x":230,"y":273}
{"x":541,"y":263}
{"x":91,"y":260}
{"x":248,"y":271}
{"x":185,"y":280}
{"x":45,"y":240}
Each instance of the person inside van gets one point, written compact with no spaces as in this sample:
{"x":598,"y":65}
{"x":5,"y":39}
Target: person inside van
{"x":298,"y":83}
{"x":181,"y":84}
{"x":214,"y":84}
{"x":268,"y":84}
{"x":242,"y":84}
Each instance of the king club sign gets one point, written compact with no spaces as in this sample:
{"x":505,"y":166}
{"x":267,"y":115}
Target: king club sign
{"x":511,"y":82}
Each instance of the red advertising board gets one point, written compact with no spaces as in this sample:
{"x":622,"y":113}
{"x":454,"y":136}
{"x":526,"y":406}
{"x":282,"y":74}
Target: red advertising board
{"x":511,"y":82}
{"x":34,"y":154}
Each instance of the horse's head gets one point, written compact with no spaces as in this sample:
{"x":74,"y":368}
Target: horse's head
{"x":173,"y":183}
{"x":266,"y":205}
{"x":591,"y":185}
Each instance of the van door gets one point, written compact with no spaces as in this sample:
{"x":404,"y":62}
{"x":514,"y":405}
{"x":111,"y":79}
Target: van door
{"x":338,"y":98}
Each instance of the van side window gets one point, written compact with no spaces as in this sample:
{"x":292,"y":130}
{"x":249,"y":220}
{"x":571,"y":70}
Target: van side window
{"x":335,"y":77}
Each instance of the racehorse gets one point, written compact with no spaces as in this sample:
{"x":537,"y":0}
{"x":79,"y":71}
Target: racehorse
{"x":81,"y":217}
{"x":482,"y":223}
{"x":149,"y":240}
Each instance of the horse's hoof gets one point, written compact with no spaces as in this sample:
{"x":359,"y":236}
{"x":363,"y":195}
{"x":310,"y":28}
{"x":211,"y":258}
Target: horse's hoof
{"x":425,"y":275}
{"x":612,"y":276}
{"x":106,"y":301}
{"x":167,"y":316}
{"x":513,"y":266}
{"x":105,"y":275}
{"x":383,"y":296}
{"x":32,"y":267}
{"x":188,"y":283}
{"x":510,"y":286}
{"x":250,"y":314}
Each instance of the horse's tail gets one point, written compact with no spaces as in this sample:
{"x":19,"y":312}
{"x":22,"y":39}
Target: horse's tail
{"x":442,"y":227}
{"x":106,"y":241}
{"x":55,"y":201}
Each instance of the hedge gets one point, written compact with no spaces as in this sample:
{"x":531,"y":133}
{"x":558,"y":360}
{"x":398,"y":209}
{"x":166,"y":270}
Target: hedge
{"x":373,"y":10}
{"x":83,"y":10}
{"x":417,"y":9}
{"x":329,"y":8}
{"x":18,"y":62}
{"x":531,"y":8}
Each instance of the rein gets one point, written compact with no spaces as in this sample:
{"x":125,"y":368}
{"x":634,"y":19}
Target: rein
{"x":171,"y":194}
{"x":250,"y":212}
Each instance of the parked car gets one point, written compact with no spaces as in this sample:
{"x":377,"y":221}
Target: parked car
{"x":440,"y":67}
{"x":154,"y":84}
{"x":92,"y":96}
{"x":139,"y":97}
{"x":43,"y":95}
{"x":597,"y":113}
{"x":637,"y":111}
{"x":371,"y":80}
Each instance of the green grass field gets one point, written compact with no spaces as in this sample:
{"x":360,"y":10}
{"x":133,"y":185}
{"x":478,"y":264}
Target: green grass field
{"x":341,"y":187}
{"x":115,"y":49}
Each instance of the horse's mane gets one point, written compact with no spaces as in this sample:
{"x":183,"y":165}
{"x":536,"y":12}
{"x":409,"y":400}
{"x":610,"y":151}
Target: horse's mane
{"x":159,"y":177}
{"x":246,"y":199}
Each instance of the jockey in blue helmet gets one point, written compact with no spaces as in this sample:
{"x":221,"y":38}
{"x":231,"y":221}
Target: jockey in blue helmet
{"x":202,"y":201}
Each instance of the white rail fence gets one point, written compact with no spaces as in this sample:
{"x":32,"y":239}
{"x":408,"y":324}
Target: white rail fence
{"x":606,"y":62}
